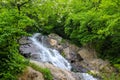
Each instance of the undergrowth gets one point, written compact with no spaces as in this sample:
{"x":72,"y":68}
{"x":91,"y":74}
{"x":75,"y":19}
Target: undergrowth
{"x":11,"y":67}
{"x":112,"y":76}
{"x":45,"y":71}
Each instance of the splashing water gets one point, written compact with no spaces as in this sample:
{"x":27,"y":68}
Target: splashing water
{"x":48,"y":54}
{"x":86,"y":76}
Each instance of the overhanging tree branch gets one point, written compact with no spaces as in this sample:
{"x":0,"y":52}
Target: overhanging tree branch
{"x":19,"y":5}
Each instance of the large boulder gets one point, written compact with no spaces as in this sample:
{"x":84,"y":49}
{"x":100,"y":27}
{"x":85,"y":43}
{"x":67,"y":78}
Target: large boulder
{"x":58,"y":74}
{"x":94,"y":64}
{"x":87,"y":54}
{"x":26,"y":47}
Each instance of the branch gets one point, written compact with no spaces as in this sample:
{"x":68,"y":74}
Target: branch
{"x":21,"y":4}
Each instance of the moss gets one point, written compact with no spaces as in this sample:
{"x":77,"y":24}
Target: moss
{"x":45,"y":71}
{"x":93,"y":74}
{"x":112,"y":76}
{"x":63,"y":54}
{"x":63,"y":41}
{"x":117,"y":66}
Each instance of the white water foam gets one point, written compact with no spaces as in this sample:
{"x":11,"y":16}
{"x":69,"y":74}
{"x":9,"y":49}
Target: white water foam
{"x":50,"y":55}
{"x":86,"y":76}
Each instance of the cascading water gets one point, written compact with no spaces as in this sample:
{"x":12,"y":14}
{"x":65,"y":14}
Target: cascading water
{"x":52,"y":56}
{"x":86,"y":76}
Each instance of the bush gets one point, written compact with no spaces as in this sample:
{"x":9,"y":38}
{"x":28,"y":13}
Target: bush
{"x":11,"y":66}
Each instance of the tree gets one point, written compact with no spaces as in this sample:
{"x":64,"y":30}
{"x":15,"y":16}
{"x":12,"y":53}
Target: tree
{"x":12,"y":27}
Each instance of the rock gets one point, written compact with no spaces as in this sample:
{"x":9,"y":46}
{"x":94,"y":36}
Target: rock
{"x":74,"y":48}
{"x":78,"y":68}
{"x":26,"y":47}
{"x":97,"y":66}
{"x":61,"y":74}
{"x":94,"y":72}
{"x":58,"y":74}
{"x":66,"y":52}
{"x":29,"y":48}
{"x":24,"y":40}
{"x":35,"y":57}
{"x":93,"y":64}
{"x":55,"y":37}
{"x":102,"y":66}
{"x":53,"y":42}
{"x":87,"y":54}
{"x":31,"y":74}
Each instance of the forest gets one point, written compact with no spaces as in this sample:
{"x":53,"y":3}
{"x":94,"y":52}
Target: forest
{"x":95,"y":23}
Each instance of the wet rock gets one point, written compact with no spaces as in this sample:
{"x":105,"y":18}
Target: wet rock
{"x":24,"y":40}
{"x":35,"y":57}
{"x":85,"y":76}
{"x":28,"y":49}
{"x":78,"y":68}
{"x":68,"y":50}
{"x":53,"y":42}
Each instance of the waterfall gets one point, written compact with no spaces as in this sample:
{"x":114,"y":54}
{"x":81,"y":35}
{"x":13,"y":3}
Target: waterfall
{"x":48,"y":54}
{"x":52,"y":56}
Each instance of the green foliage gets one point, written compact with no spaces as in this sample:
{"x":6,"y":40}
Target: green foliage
{"x":91,"y":22}
{"x":94,"y":22}
{"x":49,"y":15}
{"x":12,"y":25}
{"x":112,"y":76}
{"x":45,"y":71}
{"x":63,"y":54}
{"x":11,"y":67}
